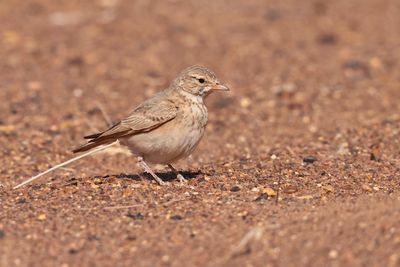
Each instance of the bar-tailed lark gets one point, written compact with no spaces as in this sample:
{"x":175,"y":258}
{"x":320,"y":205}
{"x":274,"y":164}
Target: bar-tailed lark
{"x":164,"y":128}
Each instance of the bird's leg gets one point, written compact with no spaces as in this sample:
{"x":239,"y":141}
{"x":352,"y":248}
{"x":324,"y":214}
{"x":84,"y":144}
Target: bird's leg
{"x":178,"y":175}
{"x":147,"y":169}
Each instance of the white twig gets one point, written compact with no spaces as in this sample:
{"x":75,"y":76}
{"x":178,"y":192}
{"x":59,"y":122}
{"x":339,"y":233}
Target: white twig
{"x":104,"y":114}
{"x":65,"y":163}
{"x":244,"y":246}
{"x":253,"y":235}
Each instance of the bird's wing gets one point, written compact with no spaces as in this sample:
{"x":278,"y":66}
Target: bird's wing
{"x":146,"y":117}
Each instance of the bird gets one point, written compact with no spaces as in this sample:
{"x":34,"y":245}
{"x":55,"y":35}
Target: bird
{"x":166,"y":127}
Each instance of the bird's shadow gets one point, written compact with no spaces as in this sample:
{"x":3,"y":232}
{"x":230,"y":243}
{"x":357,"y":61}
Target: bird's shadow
{"x":165,"y":176}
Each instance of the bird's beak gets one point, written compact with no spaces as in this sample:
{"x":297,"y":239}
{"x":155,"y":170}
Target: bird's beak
{"x":220,"y":87}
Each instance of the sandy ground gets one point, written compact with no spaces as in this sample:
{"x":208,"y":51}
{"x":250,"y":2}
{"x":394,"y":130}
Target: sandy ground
{"x":299,"y":165}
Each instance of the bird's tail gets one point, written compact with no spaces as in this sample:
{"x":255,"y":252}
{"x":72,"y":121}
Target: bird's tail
{"x":103,"y":138}
{"x":90,"y":145}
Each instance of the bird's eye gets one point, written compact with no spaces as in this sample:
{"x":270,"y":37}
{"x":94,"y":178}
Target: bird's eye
{"x":201,"y":80}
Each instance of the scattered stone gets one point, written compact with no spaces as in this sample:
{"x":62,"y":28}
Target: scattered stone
{"x":309,"y":159}
{"x":34,"y":85}
{"x":73,"y":251}
{"x":242,"y":214}
{"x":135,"y":216}
{"x":356,"y":69}
{"x":343,"y":149}
{"x":42,"y":217}
{"x":262,"y":197}
{"x":65,"y":18}
{"x":92,"y":238}
{"x":354,"y":64}
{"x":235,"y":188}
{"x":366,"y":187}
{"x":328,"y":188}
{"x":375,"y":153}
{"x":242,"y":139}
{"x":11,"y":37}
{"x":76,"y":60}
{"x":8,"y":128}
{"x":176,"y":217}
{"x":165,"y":258}
{"x":245,"y":102}
{"x":77,"y":92}
{"x":376,"y":63}
{"x":333,"y":254}
{"x":354,"y":151}
{"x":327,"y":38}
{"x":305,"y":197}
{"x":269,"y":191}
{"x":290,"y":189}
{"x":285,"y":90}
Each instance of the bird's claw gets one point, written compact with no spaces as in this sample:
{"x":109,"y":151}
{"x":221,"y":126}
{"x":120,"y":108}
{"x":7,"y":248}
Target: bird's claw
{"x":181,"y":178}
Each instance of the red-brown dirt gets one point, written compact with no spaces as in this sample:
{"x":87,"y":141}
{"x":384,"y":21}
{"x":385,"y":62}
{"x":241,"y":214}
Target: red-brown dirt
{"x":313,"y":116}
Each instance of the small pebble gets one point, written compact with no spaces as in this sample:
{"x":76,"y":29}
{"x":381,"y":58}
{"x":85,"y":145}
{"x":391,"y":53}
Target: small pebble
{"x":165,"y":258}
{"x":42,"y":217}
{"x":309,"y":159}
{"x":235,"y":188}
{"x":176,"y":217}
{"x":305,"y":197}
{"x":73,"y":251}
{"x":328,"y":188}
{"x":262,"y":197}
{"x":290,"y":189}
{"x":77,"y":92}
{"x":136,"y":216}
{"x":375,"y":153}
{"x":269,"y":191}
{"x":366,"y":187}
{"x":245,"y":102}
{"x":333,"y":254}
{"x":327,"y":38}
{"x":92,"y":238}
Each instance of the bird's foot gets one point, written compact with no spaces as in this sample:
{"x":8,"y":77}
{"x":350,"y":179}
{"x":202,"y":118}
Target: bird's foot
{"x":178,"y":175}
{"x":158,"y":180}
{"x":147,"y":169}
{"x":181,"y":178}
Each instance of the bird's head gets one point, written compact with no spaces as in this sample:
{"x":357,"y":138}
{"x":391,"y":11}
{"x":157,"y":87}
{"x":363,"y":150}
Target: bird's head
{"x":199,"y":81}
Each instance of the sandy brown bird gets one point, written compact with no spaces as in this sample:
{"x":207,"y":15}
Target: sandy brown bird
{"x":168,"y":126}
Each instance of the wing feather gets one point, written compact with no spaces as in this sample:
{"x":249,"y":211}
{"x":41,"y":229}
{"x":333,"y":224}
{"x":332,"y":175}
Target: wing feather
{"x":150,"y":115}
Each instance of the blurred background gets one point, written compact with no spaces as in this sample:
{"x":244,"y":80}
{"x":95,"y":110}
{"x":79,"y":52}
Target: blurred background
{"x":314,"y":77}
{"x":318,"y":65}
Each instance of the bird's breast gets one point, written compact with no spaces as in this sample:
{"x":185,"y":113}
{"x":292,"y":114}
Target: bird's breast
{"x":173,"y":140}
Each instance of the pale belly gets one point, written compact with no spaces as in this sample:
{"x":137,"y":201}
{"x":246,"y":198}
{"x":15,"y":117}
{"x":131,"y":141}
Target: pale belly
{"x":166,"y":144}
